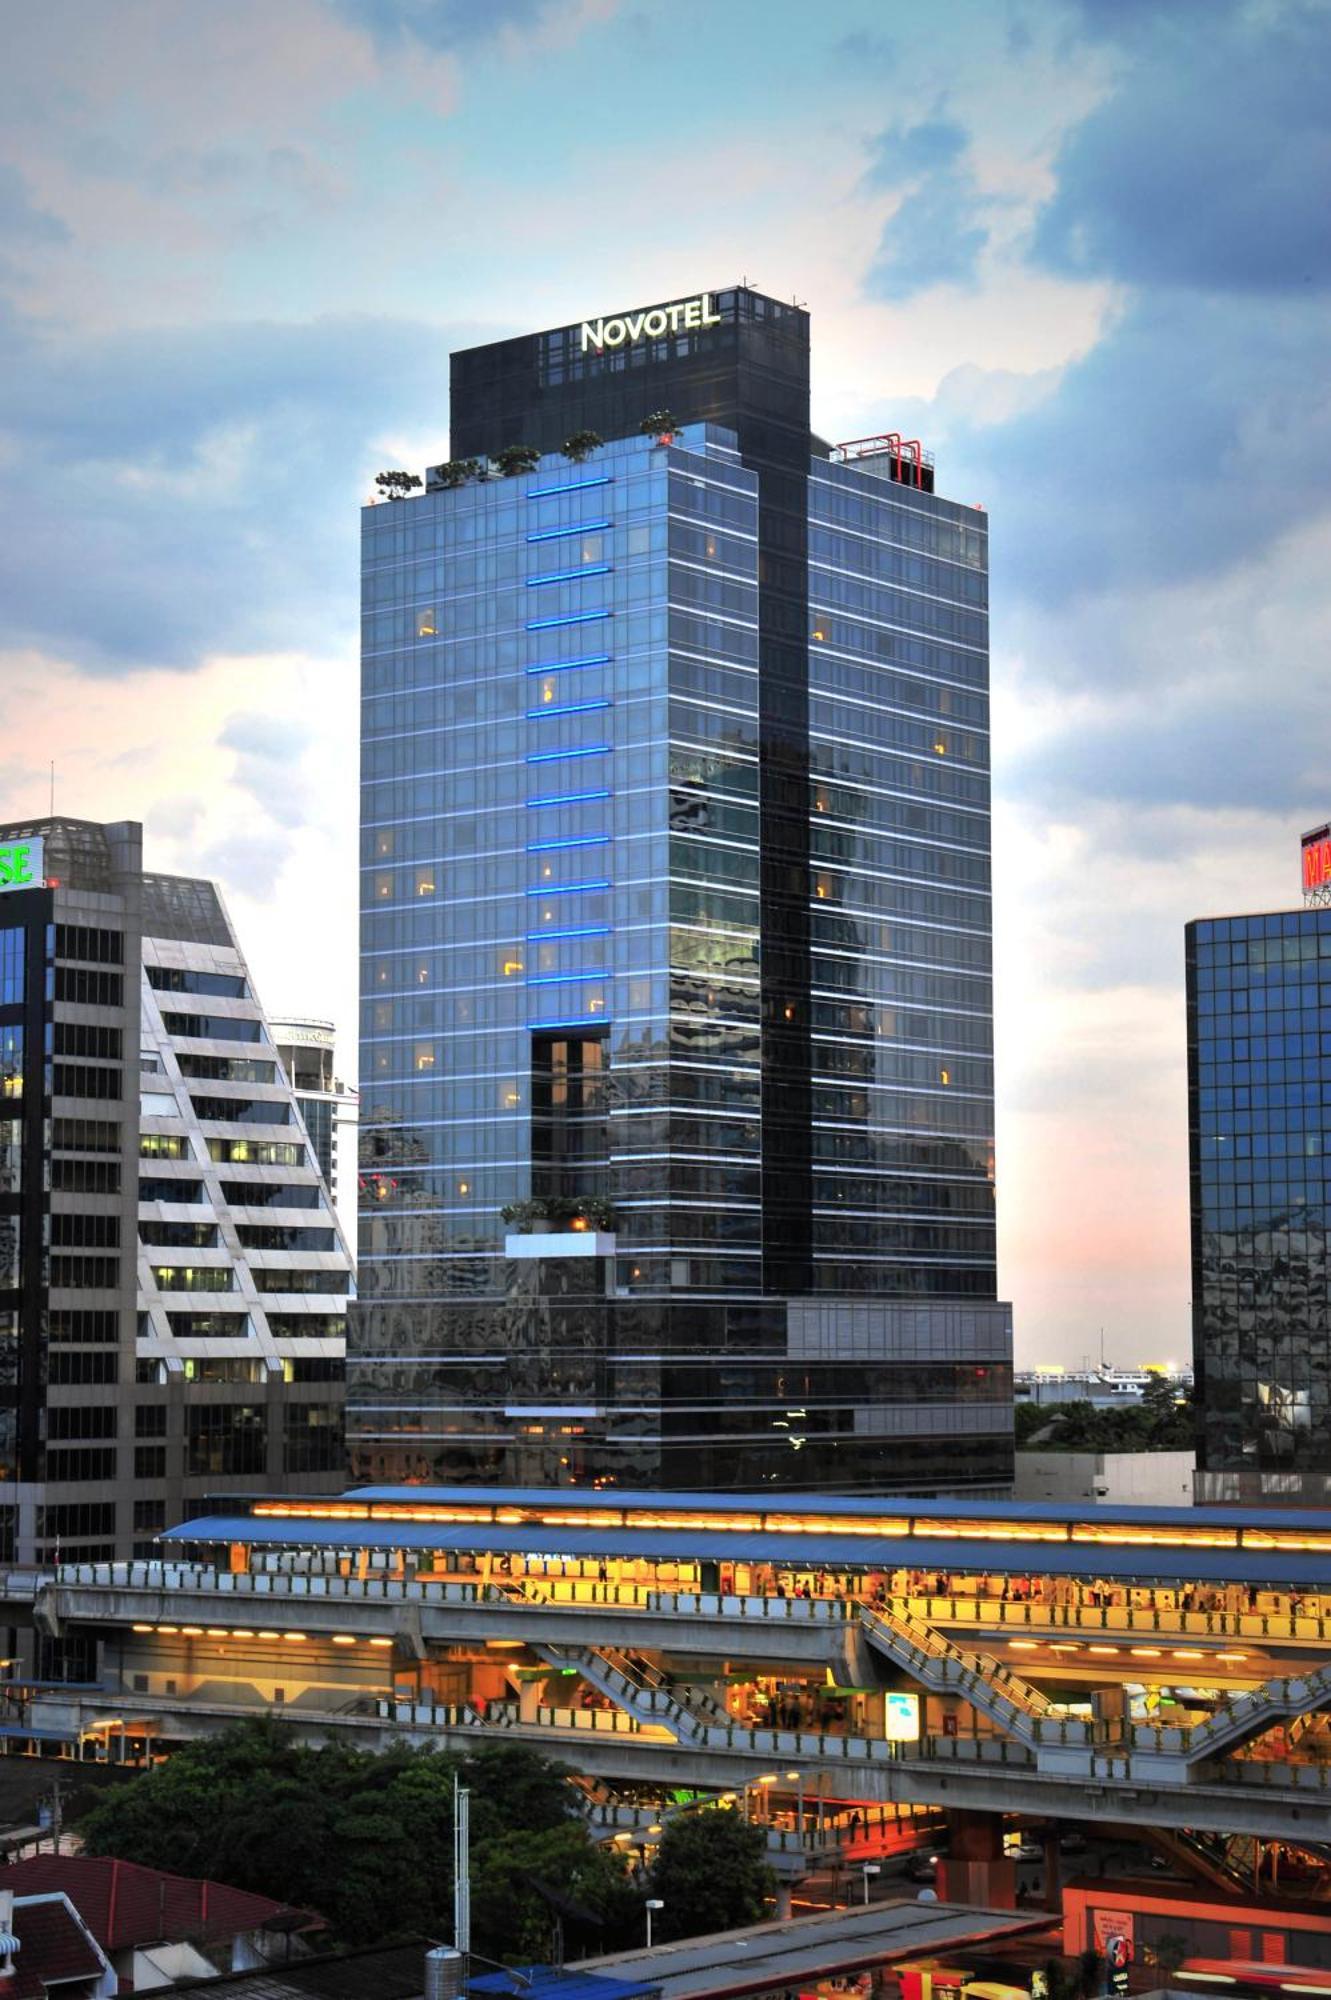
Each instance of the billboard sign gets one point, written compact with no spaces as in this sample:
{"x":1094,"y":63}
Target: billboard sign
{"x":1316,"y":860}
{"x":21,"y":864}
{"x":901,"y":1716}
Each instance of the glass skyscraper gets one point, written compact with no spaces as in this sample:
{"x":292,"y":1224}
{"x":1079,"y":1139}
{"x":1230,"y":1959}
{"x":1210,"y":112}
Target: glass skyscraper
{"x":675,"y":937}
{"x":1259,"y":1105}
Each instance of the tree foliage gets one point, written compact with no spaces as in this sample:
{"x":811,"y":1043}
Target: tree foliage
{"x":367,"y":1840}
{"x":711,"y":1873}
{"x":517,"y":458}
{"x":397,"y":485}
{"x":1162,"y":1421}
{"x":457,"y":471}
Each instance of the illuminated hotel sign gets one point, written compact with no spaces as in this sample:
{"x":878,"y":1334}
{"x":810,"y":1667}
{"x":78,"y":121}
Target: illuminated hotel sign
{"x":21,"y":865}
{"x":1317,"y":860}
{"x":683,"y":316}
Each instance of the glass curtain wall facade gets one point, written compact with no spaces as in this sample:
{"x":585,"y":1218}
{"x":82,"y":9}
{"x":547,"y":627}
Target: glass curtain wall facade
{"x":1259,"y":1113}
{"x":676,"y":921}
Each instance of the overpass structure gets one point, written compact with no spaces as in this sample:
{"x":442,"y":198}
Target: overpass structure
{"x":848,"y":1669}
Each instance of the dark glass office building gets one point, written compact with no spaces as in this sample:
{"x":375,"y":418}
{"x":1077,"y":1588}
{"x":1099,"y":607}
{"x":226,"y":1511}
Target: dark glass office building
{"x":1259,"y":1114}
{"x":675,"y":936}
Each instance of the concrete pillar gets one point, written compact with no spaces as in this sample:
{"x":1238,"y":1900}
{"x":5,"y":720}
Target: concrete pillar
{"x":975,"y":1869}
{"x":529,"y":1699}
{"x":1053,"y":1873}
{"x":783,"y":1902}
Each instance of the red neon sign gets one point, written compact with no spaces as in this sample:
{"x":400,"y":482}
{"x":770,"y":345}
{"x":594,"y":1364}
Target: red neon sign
{"x":1317,"y":859}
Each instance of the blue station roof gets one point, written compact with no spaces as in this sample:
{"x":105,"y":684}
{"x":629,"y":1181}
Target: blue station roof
{"x":783,"y":1544}
{"x":547,"y":1982}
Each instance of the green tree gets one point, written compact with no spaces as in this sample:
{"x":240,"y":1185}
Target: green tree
{"x":1031,"y":1419}
{"x":397,"y":485}
{"x":364,"y":1840}
{"x":711,"y":1873}
{"x":457,"y":471}
{"x":516,"y":458}
{"x":538,"y":1895}
{"x":1168,"y":1417}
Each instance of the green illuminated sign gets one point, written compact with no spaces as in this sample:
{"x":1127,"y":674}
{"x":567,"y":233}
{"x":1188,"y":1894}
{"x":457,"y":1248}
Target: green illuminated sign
{"x":21,"y":865}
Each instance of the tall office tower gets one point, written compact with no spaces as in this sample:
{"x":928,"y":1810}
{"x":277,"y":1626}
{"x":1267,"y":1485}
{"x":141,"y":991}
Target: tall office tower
{"x":675,"y":937}
{"x":307,"y":1051}
{"x":144,"y":1106}
{"x":1259,"y":1123}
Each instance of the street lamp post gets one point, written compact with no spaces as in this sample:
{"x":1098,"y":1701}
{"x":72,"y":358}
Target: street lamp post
{"x":653,"y":1903}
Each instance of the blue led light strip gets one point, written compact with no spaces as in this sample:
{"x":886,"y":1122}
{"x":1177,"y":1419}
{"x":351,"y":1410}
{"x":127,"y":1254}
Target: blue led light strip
{"x":565,"y":888}
{"x":560,"y":534}
{"x":569,"y":707}
{"x":554,"y":756}
{"x":579,"y":840}
{"x":565,"y":1020}
{"x":572,"y":930}
{"x":562,"y":666}
{"x":570,"y":618}
{"x":567,"y":978}
{"x":569,"y":486}
{"x":567,"y":798}
{"x":568,"y":575}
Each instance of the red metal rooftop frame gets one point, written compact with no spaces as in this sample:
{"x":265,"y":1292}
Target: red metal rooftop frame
{"x":887,"y":440}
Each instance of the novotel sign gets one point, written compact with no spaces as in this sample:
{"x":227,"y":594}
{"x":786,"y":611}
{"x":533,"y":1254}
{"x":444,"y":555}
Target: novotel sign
{"x":21,"y":864}
{"x":1317,"y":860}
{"x":683,"y":316}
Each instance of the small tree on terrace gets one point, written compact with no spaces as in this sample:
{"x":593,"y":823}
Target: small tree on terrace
{"x":397,"y":485}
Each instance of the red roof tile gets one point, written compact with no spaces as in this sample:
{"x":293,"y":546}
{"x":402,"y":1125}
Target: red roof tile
{"x":53,"y":1946}
{"x":125,"y":1905}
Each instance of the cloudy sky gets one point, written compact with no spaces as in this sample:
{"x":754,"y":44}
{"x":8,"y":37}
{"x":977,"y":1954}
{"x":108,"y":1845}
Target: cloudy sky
{"x":1081,"y":247}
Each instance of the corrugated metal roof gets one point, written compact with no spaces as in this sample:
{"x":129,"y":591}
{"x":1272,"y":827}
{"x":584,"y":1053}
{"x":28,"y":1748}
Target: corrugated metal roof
{"x":795,"y":1953}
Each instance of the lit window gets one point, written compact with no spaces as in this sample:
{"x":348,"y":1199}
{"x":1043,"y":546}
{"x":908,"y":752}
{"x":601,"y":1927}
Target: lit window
{"x":818,"y":632}
{"x":383,"y":843}
{"x":425,"y":625}
{"x":511,"y":966}
{"x":945,"y":1076}
{"x":423,"y":1056}
{"x":548,"y":689}
{"x":383,"y":888}
{"x":422,"y":974}
{"x":464,"y":1187}
{"x":425,"y":881}
{"x":941,"y":746}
